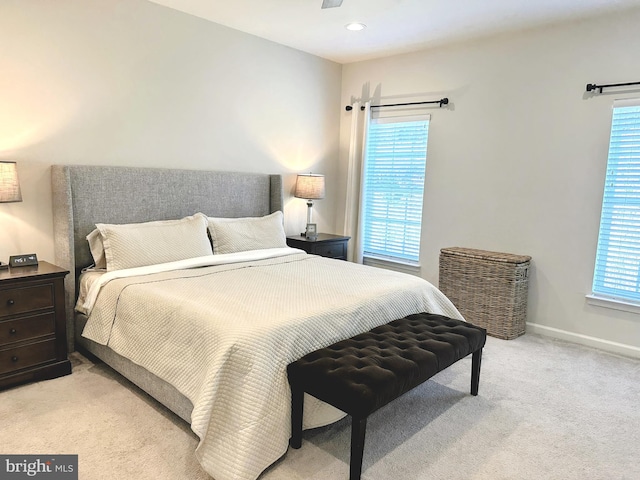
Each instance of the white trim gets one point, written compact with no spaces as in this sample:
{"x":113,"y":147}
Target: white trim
{"x":613,"y":303}
{"x":613,"y":347}
{"x":390,"y":259}
{"x":398,"y":117}
{"x":626,"y":102}
{"x":392,"y":264}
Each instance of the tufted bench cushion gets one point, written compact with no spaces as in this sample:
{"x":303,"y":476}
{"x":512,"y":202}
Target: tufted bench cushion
{"x":361,"y":374}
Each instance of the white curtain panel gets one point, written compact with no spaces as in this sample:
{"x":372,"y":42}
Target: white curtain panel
{"x":357,"y":153}
{"x":357,"y":252}
{"x":350,"y":211}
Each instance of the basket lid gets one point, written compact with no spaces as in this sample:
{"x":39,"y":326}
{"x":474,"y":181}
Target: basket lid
{"x":486,"y":255}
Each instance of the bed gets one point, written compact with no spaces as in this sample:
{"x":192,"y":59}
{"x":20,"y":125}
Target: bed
{"x":209,"y":337}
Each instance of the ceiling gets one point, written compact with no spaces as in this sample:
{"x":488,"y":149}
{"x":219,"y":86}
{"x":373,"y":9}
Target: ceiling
{"x":393,"y":26}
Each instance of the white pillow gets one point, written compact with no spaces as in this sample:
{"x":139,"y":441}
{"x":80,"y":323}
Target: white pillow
{"x":141,"y":244}
{"x":97,"y":249}
{"x":230,"y":235}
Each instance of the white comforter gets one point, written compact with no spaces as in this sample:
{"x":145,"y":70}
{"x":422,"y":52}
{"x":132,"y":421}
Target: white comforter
{"x":224,"y":334}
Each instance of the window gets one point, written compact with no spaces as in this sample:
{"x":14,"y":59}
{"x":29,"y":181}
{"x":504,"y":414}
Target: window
{"x":393,"y":188}
{"x":617,"y":269}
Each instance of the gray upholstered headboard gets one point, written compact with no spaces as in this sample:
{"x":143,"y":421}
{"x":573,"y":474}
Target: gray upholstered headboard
{"x":86,"y":195}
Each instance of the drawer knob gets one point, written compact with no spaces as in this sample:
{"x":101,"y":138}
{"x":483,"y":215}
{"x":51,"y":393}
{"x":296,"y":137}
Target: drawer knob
{"x":12,"y":331}
{"x":14,"y":359}
{"x":10,"y":302}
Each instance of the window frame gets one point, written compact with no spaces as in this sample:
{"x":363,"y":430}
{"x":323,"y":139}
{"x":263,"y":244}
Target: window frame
{"x":618,"y":205}
{"x":374,"y":255}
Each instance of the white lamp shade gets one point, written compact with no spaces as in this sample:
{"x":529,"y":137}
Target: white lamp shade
{"x":310,"y":186}
{"x":9,"y":184}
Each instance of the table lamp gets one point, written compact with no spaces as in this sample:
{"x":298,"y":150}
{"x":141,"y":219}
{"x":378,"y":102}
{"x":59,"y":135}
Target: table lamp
{"x":310,"y":187}
{"x":9,"y":187}
{"x":9,"y":184}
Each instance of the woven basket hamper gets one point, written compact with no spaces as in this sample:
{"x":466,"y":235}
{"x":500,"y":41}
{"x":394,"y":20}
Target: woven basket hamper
{"x":488,"y":288}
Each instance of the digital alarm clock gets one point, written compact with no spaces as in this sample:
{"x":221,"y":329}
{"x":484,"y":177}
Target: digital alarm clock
{"x":25,"y":260}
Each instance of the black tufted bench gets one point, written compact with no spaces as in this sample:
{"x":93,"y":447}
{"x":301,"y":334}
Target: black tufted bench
{"x":361,"y":374}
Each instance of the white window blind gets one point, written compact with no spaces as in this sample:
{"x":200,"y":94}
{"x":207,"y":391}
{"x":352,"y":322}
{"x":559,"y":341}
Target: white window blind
{"x":393,"y":187}
{"x":617,"y":269}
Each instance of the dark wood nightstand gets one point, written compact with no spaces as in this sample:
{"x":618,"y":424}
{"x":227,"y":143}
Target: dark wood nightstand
{"x":33,"y":339}
{"x":326,"y":245}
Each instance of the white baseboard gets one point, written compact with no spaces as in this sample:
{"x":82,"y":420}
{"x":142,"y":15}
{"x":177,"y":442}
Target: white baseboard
{"x":613,"y":347}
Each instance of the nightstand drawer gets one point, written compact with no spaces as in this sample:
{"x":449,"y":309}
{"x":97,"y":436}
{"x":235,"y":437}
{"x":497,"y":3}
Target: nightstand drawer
{"x":26,"y":356}
{"x":331,"y":250}
{"x":18,"y":300}
{"x":25,"y":328}
{"x":325,"y":245}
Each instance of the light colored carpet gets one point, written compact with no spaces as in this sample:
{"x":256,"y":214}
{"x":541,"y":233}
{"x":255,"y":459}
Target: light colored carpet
{"x":546,"y":410}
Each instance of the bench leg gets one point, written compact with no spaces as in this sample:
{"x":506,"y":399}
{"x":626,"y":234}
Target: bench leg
{"x":358,"y":428}
{"x":297,"y":407}
{"x":476,"y":359}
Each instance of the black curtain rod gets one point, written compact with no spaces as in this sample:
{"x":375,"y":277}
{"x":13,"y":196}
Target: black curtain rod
{"x":593,"y":86}
{"x":442,"y":101}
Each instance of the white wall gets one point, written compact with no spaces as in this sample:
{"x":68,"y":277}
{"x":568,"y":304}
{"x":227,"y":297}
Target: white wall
{"x":129,"y":82}
{"x":516,"y":162}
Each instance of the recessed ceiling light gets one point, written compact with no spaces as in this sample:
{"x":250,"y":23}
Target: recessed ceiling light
{"x":355,"y":26}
